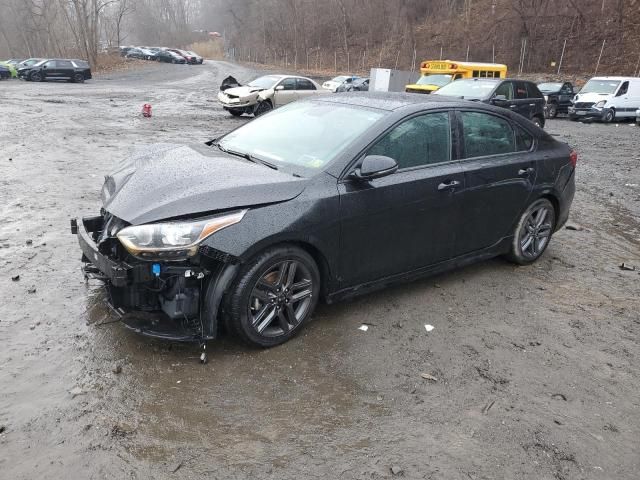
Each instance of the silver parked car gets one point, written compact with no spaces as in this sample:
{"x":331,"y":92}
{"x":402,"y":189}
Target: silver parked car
{"x":266,"y":93}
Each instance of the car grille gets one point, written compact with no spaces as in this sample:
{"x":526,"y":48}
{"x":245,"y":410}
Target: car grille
{"x":584,"y":104}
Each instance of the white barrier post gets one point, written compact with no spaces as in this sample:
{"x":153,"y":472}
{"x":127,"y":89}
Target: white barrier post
{"x":562,"y":55}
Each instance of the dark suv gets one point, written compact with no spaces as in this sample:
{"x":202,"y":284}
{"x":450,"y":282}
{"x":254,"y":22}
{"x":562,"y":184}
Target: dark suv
{"x":519,"y":96}
{"x":57,"y":69}
{"x":558,"y":97}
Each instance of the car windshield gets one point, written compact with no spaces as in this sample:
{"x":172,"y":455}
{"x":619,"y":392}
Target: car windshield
{"x":549,"y":87}
{"x":303,"y":135}
{"x":600,"y":86}
{"x":437,"y":80}
{"x":340,"y":79}
{"x":470,"y":89}
{"x":265,"y":82}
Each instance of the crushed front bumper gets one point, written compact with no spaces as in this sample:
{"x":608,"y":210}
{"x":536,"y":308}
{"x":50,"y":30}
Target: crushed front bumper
{"x":176,"y":301}
{"x":591,"y":113}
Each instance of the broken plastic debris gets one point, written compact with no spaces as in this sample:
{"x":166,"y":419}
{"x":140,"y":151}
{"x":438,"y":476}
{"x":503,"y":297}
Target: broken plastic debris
{"x":363,"y":327}
{"x":626,"y":266}
{"x":428,"y":376}
{"x":428,"y":328}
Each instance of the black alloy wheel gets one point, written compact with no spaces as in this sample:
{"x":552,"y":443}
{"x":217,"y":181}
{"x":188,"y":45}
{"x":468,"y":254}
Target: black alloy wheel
{"x":36,"y":77}
{"x":273,"y":296}
{"x":538,"y":122}
{"x":78,"y":78}
{"x":552,"y":110}
{"x":281,"y":298}
{"x":262,"y":107}
{"x":533,"y":232}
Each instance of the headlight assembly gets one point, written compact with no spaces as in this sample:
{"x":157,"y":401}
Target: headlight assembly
{"x":600,"y":104}
{"x":173,"y":240}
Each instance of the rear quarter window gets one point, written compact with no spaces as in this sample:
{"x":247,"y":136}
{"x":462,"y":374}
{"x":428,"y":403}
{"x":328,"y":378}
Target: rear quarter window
{"x":533,"y":91}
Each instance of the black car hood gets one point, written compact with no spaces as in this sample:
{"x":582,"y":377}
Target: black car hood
{"x":167,"y":181}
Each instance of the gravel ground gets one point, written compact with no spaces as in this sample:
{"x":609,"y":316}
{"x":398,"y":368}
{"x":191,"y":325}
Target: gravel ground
{"x":535,"y":370}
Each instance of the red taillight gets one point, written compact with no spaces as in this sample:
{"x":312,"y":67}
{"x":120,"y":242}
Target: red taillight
{"x":573,"y":158}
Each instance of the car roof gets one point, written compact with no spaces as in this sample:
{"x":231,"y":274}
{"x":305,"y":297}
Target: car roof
{"x":615,"y":78}
{"x":391,"y":101}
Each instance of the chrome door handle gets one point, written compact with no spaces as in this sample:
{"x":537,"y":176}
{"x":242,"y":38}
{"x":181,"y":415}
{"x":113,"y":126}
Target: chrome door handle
{"x":525,"y":172}
{"x":448,"y":186}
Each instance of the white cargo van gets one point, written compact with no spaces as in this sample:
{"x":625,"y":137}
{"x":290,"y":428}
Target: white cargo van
{"x":607,"y":99}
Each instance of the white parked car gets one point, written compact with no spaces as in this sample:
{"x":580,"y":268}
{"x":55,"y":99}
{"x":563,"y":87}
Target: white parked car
{"x":607,"y":99}
{"x":266,"y":93}
{"x":333,"y":84}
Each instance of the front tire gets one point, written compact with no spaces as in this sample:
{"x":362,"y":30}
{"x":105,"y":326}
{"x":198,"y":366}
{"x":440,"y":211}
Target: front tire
{"x":274,"y":295}
{"x":36,"y":77}
{"x":236,"y":113}
{"x":78,"y":78}
{"x":533,"y":232}
{"x":609,"y":116}
{"x":552,"y":110}
{"x":262,"y":107}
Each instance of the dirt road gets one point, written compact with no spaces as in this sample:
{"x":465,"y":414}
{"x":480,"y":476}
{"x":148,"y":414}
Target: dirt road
{"x":537,"y":369}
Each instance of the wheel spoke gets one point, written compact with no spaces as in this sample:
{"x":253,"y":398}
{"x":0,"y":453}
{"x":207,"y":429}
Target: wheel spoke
{"x":291,"y":274}
{"x":282,"y":274}
{"x":282,"y":321}
{"x":545,"y":230}
{"x":264,"y":318}
{"x":301,"y":284}
{"x":525,"y":243}
{"x":542,"y":216}
{"x":291,"y":313}
{"x":301,"y":295}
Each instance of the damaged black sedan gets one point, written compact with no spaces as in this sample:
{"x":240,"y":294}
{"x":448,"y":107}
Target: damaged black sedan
{"x":321,"y":199}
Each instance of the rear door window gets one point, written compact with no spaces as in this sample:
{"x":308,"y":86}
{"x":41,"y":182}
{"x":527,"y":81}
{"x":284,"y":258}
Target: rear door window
{"x":63,"y":64}
{"x":532,"y":91}
{"x":521,"y":91}
{"x":419,"y":141}
{"x":485,"y":134}
{"x":304,"y":84}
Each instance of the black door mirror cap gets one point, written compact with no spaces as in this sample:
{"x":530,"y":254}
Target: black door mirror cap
{"x":499,"y":99}
{"x":375,"y":166}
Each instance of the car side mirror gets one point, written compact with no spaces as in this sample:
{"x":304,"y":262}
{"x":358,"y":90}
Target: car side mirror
{"x":499,"y":100}
{"x":280,"y":87}
{"x":375,"y":166}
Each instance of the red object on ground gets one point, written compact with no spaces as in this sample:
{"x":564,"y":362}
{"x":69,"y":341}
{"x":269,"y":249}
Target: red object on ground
{"x":146,"y":110}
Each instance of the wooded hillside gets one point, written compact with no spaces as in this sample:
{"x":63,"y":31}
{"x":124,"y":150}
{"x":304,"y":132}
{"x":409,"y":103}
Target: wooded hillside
{"x":344,"y":35}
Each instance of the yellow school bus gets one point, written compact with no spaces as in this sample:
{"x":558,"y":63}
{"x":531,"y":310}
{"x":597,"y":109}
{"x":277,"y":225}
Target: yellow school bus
{"x":437,"y":73}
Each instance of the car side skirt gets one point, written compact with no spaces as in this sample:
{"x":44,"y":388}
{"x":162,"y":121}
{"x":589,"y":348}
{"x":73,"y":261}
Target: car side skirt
{"x":500,"y":248}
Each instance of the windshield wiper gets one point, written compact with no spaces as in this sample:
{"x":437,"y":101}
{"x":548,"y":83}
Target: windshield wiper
{"x":248,"y":156}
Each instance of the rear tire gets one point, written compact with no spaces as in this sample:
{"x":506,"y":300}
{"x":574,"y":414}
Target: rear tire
{"x":538,"y":121}
{"x":273,"y":295}
{"x":533,"y":232}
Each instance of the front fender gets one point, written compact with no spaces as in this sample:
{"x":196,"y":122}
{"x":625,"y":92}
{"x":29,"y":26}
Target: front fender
{"x":266,"y":95}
